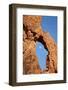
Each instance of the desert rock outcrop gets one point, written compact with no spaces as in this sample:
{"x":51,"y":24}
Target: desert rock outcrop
{"x":32,"y":33}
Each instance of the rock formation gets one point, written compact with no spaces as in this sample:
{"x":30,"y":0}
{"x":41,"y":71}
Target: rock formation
{"x":32,"y":33}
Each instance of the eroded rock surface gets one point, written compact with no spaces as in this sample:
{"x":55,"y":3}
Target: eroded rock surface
{"x":32,"y":33}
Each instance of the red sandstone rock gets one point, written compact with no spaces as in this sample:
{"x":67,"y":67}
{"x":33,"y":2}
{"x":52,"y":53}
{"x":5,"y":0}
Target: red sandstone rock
{"x":32,"y":33}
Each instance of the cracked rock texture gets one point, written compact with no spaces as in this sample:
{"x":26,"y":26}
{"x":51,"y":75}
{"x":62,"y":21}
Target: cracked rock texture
{"x":32,"y":33}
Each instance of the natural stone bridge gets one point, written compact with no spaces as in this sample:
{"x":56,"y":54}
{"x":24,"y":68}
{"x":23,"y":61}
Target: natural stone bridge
{"x":32,"y":33}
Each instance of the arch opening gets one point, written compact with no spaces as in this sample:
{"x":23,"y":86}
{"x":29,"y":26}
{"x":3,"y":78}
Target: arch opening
{"x":41,"y":52}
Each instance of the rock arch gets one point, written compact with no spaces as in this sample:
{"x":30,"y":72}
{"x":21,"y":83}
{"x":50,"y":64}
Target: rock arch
{"x":33,"y":32}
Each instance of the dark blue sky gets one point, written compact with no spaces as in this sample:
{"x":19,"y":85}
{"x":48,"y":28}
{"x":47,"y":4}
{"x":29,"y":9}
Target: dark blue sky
{"x":49,"y":24}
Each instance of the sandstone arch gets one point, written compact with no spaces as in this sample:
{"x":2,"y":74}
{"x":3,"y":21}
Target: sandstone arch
{"x":32,"y":33}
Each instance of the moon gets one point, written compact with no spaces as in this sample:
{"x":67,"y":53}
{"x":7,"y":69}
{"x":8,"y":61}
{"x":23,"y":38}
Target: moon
{"x":40,"y":47}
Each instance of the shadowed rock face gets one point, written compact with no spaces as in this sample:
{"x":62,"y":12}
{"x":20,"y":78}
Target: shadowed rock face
{"x":32,"y":33}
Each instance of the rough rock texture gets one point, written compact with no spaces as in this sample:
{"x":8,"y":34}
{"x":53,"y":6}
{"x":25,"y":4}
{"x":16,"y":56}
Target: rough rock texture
{"x":32,"y":33}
